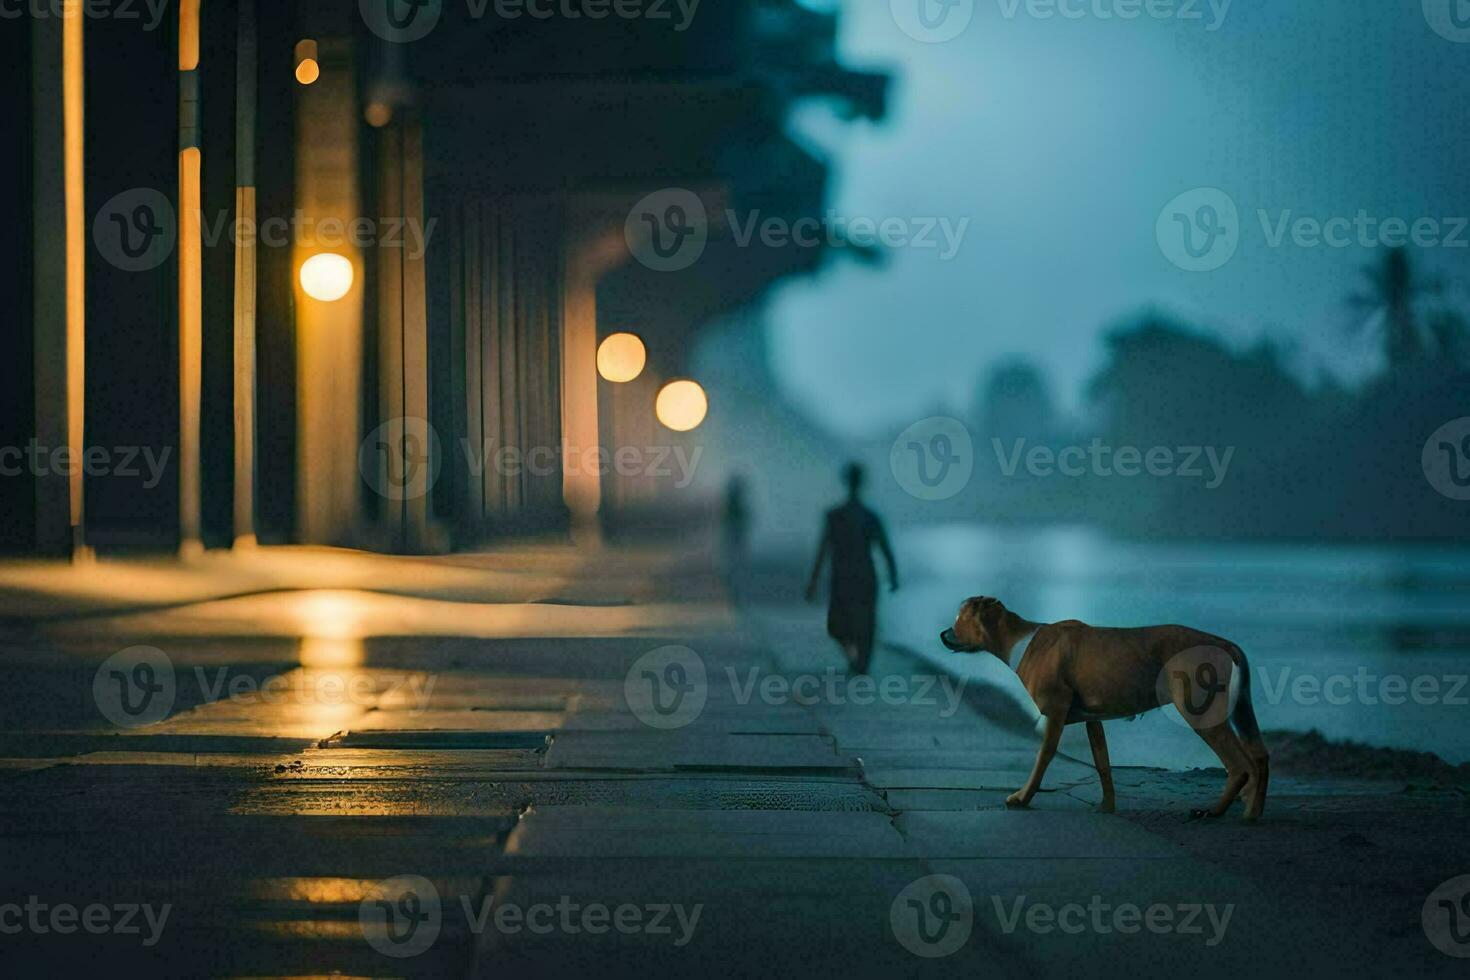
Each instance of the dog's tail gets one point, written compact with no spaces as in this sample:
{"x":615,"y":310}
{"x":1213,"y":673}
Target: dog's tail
{"x":1244,"y":716}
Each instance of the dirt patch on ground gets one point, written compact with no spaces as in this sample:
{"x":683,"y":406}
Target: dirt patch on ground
{"x":1310,"y":754}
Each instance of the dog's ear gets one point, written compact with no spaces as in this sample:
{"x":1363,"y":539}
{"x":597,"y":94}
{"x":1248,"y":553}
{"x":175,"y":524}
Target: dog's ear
{"x":991,"y":611}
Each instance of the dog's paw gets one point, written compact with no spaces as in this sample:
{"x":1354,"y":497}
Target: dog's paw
{"x":1107,"y":806}
{"x":1017,"y":801}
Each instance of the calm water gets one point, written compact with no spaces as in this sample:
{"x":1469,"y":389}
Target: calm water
{"x":1335,"y":633}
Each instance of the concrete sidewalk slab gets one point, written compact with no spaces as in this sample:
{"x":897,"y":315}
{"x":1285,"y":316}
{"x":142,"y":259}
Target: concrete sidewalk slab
{"x":792,"y":917}
{"x":608,"y":832}
{"x":1120,"y":917}
{"x":941,"y":778}
{"x":1033,"y":833}
{"x":515,"y":791}
{"x":472,"y":720}
{"x":652,"y":751}
{"x":713,"y":720}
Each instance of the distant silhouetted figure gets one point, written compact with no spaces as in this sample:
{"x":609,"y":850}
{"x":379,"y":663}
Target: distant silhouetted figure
{"x":849,"y":535}
{"x":734,"y":525}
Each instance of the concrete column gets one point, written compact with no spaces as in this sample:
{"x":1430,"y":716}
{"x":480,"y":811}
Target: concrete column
{"x":415,"y":312}
{"x":403,"y":332}
{"x":245,"y":275}
{"x":329,"y":334}
{"x":581,"y":485}
{"x":191,"y":283}
{"x":594,"y":244}
{"x":59,"y":269}
{"x":391,"y":381}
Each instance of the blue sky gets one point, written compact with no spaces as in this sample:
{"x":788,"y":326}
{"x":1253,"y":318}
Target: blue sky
{"x":1060,"y":140}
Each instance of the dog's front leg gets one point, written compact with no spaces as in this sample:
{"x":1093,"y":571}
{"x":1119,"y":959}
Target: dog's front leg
{"x":1104,"y":767}
{"x":1051,"y":738}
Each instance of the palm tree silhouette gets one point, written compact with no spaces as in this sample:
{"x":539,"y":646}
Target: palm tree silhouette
{"x":1390,"y":303}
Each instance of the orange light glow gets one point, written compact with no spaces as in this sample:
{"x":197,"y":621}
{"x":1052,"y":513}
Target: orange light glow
{"x":682,"y":406}
{"x":327,"y":277}
{"x":378,"y":114}
{"x":191,"y":343}
{"x":621,"y":358}
{"x":73,"y":87}
{"x":188,"y":35}
{"x":308,"y":67}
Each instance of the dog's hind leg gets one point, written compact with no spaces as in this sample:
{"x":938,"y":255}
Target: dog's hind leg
{"x":1051,"y":738}
{"x":1104,"y":767}
{"x":1237,"y":766}
{"x":1244,"y":717}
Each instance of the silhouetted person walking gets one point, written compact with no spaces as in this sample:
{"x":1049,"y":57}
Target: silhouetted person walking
{"x":849,"y":535}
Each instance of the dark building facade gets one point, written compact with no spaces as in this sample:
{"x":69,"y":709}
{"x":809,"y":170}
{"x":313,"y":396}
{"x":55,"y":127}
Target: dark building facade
{"x":339,"y":273}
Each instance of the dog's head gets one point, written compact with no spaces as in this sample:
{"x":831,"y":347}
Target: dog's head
{"x":978,"y":627}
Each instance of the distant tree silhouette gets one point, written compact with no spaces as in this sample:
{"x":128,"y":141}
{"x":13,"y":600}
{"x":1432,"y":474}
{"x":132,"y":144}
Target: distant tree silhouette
{"x":1306,"y":460}
{"x":1391,"y":305}
{"x":1015,"y":401}
{"x":1170,"y":384}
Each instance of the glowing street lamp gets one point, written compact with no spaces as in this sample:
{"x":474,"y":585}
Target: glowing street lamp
{"x":378,"y":114}
{"x":326,"y":277}
{"x":682,"y":406}
{"x":621,"y":358}
{"x":308,"y":68}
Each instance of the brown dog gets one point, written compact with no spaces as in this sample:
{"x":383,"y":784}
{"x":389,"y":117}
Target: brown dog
{"x":1080,"y":673}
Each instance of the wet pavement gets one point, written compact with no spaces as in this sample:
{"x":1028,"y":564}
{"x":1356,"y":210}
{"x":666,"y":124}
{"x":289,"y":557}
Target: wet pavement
{"x":578,"y":763}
